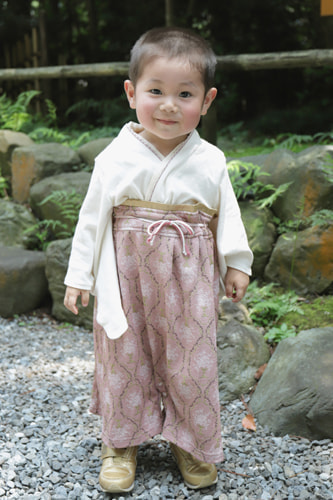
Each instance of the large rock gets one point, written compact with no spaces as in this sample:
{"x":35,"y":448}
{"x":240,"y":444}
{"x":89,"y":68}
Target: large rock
{"x":295,"y":393}
{"x":9,"y":140}
{"x":91,"y":149}
{"x":261,"y":233}
{"x":71,"y":188}
{"x":307,"y":171}
{"x":57,"y":256}
{"x":14,"y":220}
{"x":31,"y":164}
{"x":241,"y":351}
{"x":303,"y":260}
{"x":23,"y":284}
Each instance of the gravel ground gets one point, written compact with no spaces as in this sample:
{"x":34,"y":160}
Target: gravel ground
{"x":50,"y":444}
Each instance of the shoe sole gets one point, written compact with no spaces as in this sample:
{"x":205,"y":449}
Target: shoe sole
{"x":194,"y":487}
{"x":116,"y":489}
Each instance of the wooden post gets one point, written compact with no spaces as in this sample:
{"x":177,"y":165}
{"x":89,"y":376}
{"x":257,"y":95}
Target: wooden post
{"x":326,"y":7}
{"x":169,"y":12}
{"x":14,"y":58}
{"x":8,"y":64}
{"x":7,"y":56}
{"x":63,"y":85}
{"x":27,"y":55}
{"x":27,"y":51}
{"x":35,"y":62}
{"x":20,"y":53}
{"x":326,"y":13}
{"x":44,"y":57}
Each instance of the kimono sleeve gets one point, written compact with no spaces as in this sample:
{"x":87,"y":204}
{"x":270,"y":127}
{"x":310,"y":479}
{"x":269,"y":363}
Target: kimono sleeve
{"x":232,"y":244}
{"x":94,"y":213}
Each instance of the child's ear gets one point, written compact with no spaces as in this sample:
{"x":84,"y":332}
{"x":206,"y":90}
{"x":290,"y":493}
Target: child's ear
{"x":209,"y":98}
{"x":130,"y":93}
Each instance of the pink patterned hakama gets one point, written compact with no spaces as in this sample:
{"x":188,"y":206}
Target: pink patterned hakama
{"x":160,"y":376}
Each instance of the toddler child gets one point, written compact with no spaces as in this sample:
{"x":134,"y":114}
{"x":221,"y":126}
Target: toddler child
{"x":145,"y":248}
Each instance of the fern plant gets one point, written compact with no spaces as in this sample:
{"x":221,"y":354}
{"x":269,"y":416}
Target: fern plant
{"x":267,"y":308}
{"x":14,"y":114}
{"x":289,"y":141}
{"x":245,"y":182}
{"x":280,"y":332}
{"x":40,"y":235}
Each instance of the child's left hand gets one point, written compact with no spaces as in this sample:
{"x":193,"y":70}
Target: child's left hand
{"x":236,"y":283}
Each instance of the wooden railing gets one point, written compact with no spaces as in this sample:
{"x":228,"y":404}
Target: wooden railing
{"x":241,"y":62}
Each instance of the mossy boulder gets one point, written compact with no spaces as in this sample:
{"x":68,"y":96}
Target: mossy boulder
{"x":15,"y":219}
{"x":303,"y":261}
{"x":308,"y":173}
{"x":261,"y":233}
{"x":33,"y":163}
{"x":57,"y":256}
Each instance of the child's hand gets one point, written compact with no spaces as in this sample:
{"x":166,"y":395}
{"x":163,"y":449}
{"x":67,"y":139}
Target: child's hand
{"x":236,"y":283}
{"x":71,"y":296}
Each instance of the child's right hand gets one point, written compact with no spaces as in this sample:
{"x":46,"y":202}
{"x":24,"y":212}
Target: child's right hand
{"x":71,"y":296}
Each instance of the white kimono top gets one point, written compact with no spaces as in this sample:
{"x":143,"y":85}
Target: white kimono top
{"x":193,"y":173}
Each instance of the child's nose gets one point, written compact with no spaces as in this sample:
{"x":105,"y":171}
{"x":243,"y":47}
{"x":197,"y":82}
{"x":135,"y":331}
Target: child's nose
{"x":169,"y":105}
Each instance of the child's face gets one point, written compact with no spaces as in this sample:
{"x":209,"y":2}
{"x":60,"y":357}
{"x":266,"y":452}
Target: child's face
{"x":169,"y":98}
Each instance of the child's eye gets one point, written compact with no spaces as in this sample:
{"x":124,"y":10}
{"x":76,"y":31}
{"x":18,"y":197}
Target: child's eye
{"x":185,"y":94}
{"x":155,"y":91}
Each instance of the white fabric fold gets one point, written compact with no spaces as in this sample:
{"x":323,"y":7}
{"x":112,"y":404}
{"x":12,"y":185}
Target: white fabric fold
{"x":131,"y":168}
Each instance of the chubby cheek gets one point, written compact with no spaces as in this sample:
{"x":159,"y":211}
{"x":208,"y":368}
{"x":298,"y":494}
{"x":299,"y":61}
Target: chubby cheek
{"x":192,"y":117}
{"x":144,"y":110}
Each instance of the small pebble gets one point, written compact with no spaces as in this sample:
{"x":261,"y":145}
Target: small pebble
{"x":50,"y":443}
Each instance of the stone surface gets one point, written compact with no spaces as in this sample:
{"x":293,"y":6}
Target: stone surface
{"x":57,"y":256}
{"x":23,"y":284}
{"x":50,"y":444}
{"x":241,"y":351}
{"x":303,"y":260}
{"x":261,"y":233}
{"x":295,"y":394}
{"x":14,"y":220}
{"x":31,"y":164}
{"x":9,"y":140}
{"x":310,"y":189}
{"x":90,"y":150}
{"x":229,"y":310}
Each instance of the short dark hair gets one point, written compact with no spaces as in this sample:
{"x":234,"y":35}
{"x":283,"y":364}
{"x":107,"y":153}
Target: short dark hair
{"x":173,"y":42}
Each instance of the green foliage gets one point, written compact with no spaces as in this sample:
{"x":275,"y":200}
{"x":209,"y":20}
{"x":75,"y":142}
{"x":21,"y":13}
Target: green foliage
{"x":43,"y":232}
{"x":202,"y":24}
{"x":294,"y":141}
{"x":267,"y":306}
{"x":318,"y":313}
{"x":322,"y":217}
{"x":3,"y":186}
{"x":51,"y":111}
{"x":244,"y":179}
{"x":69,"y":137}
{"x":280,"y":332}
{"x":44,"y":134}
{"x":328,"y":168}
{"x":101,"y":112}
{"x":15,"y":114}
{"x":40,"y":235}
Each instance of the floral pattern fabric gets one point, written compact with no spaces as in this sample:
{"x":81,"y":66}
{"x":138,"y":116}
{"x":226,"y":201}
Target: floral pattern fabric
{"x":161,"y":376}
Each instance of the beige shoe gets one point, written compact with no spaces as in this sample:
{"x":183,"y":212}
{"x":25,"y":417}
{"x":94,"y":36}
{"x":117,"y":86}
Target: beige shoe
{"x":118,"y":469}
{"x":196,"y":474}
